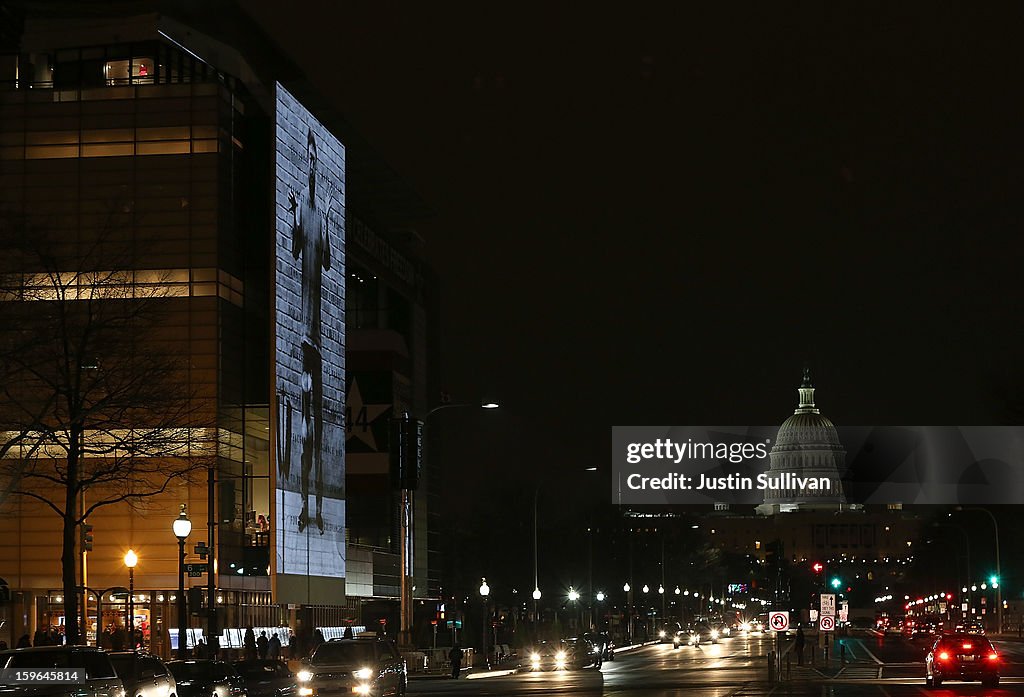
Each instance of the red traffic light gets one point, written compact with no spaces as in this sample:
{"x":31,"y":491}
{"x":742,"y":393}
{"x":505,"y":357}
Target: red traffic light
{"x":818,"y":567}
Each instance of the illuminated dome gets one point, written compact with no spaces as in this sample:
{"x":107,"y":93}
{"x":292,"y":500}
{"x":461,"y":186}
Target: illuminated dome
{"x":807,"y":446}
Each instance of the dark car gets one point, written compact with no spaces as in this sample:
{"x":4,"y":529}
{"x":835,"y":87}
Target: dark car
{"x":364,"y":666}
{"x":605,"y":642}
{"x":143,"y":675}
{"x":267,"y":677}
{"x":86,"y":669}
{"x":548,"y":655}
{"x":962,"y":657}
{"x":583,"y":652}
{"x":206,"y":678}
{"x":702,"y":633}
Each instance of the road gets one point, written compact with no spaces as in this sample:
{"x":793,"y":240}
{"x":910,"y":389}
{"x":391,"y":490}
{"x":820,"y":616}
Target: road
{"x":737,"y":667}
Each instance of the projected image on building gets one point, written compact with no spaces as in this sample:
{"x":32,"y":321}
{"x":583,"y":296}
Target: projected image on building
{"x":310,"y":352}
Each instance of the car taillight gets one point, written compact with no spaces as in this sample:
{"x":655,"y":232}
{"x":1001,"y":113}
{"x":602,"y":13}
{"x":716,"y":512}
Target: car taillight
{"x":943,"y":656}
{"x":968,"y":646}
{"x":993,"y":657}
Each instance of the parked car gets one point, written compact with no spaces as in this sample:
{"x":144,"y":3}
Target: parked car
{"x":962,"y":657}
{"x":206,"y":678}
{"x":267,"y":677}
{"x":362,"y":666}
{"x":91,"y":671}
{"x":143,"y":675}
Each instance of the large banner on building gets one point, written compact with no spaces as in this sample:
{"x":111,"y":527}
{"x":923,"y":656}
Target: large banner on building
{"x":309,"y":430}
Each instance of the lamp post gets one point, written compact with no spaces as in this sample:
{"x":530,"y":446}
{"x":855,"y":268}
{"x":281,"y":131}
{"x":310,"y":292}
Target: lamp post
{"x":574,"y":597}
{"x":536,"y":579}
{"x":130,"y":560}
{"x":628,"y":589}
{"x":999,"y":572}
{"x":406,"y":518}
{"x":485,"y":590}
{"x":181,"y":526}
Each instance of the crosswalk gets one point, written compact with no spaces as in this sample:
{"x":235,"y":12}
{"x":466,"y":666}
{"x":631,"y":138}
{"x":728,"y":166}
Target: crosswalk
{"x":860,"y":671}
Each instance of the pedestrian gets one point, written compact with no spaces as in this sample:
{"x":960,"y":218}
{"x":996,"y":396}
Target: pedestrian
{"x":348,"y":633}
{"x":249,"y":642}
{"x":274,"y":647}
{"x":262,"y":644}
{"x":118,"y":640}
{"x":293,"y":646}
{"x":455,"y":658}
{"x":318,"y":638}
{"x":201,"y":649}
{"x":798,"y":646}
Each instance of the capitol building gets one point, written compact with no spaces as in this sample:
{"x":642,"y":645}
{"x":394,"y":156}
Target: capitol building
{"x":807,"y":448}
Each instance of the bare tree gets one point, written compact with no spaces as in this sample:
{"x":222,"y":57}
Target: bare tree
{"x":96,"y":395}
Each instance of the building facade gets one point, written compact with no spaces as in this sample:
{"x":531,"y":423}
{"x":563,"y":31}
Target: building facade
{"x":186,"y":148}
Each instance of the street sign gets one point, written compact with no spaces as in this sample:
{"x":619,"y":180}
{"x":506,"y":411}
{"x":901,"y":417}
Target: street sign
{"x":963,"y":608}
{"x":197,"y":569}
{"x":844,"y":616}
{"x":779,"y":621}
{"x":827,"y":623}
{"x":828,"y":603}
{"x":814,"y":615}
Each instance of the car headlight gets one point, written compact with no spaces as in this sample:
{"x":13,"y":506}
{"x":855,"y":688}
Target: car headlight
{"x":305,"y":692}
{"x":560,"y":656}
{"x":535,"y":657}
{"x":363,"y":689}
{"x":304,"y":676}
{"x":363,"y":673}
{"x":714,"y":633}
{"x":745,"y":626}
{"x":662,"y":634}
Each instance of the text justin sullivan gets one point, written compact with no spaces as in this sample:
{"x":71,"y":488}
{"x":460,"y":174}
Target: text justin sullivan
{"x":765,"y":481}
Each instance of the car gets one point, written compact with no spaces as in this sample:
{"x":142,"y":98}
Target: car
{"x":605,"y":642}
{"x":584,"y":652}
{"x":547,"y":655}
{"x":91,"y":670}
{"x":962,"y":657}
{"x":143,"y":675}
{"x":267,"y":677}
{"x":206,"y":678}
{"x":702,"y":633}
{"x":361,"y":666}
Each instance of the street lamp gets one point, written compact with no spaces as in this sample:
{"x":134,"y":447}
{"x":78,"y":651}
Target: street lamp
{"x":574,"y":595}
{"x":485,"y":590}
{"x":999,"y":571}
{"x":130,"y":560}
{"x":406,"y":521}
{"x":181,"y":526}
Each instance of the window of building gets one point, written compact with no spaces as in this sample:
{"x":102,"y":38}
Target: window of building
{"x":132,"y":71}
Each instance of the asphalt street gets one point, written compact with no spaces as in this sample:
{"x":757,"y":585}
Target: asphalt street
{"x":888,"y":666}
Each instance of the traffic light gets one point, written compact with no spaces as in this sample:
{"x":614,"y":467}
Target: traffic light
{"x":993,"y":581}
{"x":195,"y":599}
{"x":818,"y":567}
{"x":86,"y":537}
{"x":836,"y":582}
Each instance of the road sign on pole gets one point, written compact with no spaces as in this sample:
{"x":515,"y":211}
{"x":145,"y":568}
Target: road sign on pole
{"x":827,"y":623}
{"x":779,"y":620}
{"x":828,"y":603}
{"x":814,"y":615}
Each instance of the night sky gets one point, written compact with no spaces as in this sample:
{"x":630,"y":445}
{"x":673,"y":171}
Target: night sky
{"x":657,"y":216}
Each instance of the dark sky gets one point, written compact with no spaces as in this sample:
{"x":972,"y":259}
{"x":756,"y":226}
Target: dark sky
{"x":657,"y":216}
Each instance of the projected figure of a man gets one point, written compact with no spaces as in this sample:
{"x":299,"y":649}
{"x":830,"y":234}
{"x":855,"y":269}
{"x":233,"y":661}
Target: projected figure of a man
{"x":310,"y":241}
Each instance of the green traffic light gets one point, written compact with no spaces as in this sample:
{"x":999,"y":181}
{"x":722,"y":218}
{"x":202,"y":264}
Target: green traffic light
{"x":993,"y":581}
{"x":836,"y":583}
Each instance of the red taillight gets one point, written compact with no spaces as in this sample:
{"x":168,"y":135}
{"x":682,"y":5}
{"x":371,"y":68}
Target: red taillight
{"x":993,"y":657}
{"x":943,"y":656}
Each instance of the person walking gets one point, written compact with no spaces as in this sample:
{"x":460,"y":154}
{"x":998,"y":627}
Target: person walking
{"x":798,"y":646}
{"x":274,"y":647}
{"x":262,"y":645}
{"x":249,"y":642}
{"x":455,"y":658}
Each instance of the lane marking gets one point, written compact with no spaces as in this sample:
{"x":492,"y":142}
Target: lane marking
{"x":868,"y":651}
